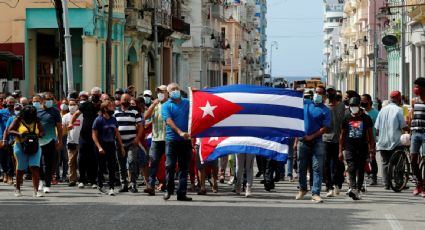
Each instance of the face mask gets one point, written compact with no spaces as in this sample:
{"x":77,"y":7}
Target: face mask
{"x":346,"y":102}
{"x":317,"y":98}
{"x":17,"y":112}
{"x":354,"y":109}
{"x":364,"y":104}
{"x":64,"y":107}
{"x":132,"y":108}
{"x":147,"y":100}
{"x":49,"y":103}
{"x":417,"y":91}
{"x":73,"y":109}
{"x":110,"y":113}
{"x":175,"y":94}
{"x":161,"y":96}
{"x":37,"y":105}
{"x":338,"y":97}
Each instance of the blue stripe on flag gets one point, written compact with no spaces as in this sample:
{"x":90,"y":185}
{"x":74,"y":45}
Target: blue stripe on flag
{"x":273,"y":110}
{"x":250,"y":131}
{"x":226,"y":150}
{"x":254,"y":89}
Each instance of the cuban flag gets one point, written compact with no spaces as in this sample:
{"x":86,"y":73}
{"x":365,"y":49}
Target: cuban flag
{"x":246,"y":110}
{"x":212,"y":148}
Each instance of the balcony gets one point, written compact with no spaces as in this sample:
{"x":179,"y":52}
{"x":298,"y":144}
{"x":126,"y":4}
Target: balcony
{"x":181,"y":26}
{"x":331,"y":25}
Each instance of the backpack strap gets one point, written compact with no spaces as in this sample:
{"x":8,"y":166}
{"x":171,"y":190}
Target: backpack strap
{"x":28,"y":128}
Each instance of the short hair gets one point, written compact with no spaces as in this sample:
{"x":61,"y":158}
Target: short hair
{"x":420,"y":82}
{"x":352,"y":93}
{"x":367,"y":96}
{"x":96,"y":90}
{"x":104,"y":105}
{"x":10,"y":98}
{"x":171,"y":85}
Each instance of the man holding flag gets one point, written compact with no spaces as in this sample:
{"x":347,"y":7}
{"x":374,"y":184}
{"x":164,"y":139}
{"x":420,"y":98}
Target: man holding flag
{"x":178,"y":147}
{"x":311,"y":146}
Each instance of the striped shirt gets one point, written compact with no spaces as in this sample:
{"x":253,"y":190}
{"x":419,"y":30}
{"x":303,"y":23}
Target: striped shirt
{"x":418,"y":121}
{"x":127,"y":123}
{"x":158,"y":125}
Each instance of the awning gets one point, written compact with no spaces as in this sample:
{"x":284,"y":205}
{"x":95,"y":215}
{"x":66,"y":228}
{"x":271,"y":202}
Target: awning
{"x":8,"y":56}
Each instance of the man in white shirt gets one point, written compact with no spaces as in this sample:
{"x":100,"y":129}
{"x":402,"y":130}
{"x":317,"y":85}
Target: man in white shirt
{"x":73,"y":137}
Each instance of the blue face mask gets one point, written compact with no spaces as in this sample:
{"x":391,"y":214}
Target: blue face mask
{"x":317,"y":98}
{"x":175,"y":94}
{"x":49,"y":103}
{"x":36,"y":104}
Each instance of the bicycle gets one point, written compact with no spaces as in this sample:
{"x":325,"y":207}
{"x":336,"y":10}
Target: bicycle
{"x":399,"y":169}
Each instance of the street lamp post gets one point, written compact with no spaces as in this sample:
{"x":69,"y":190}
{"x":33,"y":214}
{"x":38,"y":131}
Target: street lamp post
{"x":356,"y":79}
{"x":274,"y":44}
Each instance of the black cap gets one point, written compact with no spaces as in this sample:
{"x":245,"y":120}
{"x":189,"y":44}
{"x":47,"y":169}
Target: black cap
{"x":354,"y":101}
{"x":119,"y":91}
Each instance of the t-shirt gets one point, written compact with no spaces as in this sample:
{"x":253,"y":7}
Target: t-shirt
{"x":74,"y":133}
{"x":158,"y":124}
{"x":356,"y":127}
{"x":179,"y":113}
{"x":127,"y":122}
{"x":4,"y":116}
{"x":316,"y":116}
{"x":90,"y":112}
{"x":105,"y":128}
{"x":373,"y":114}
{"x":32,"y":127}
{"x":337,"y":114}
{"x":49,"y":117}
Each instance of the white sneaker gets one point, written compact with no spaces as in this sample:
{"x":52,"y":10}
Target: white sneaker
{"x":40,"y":185}
{"x":330,"y":193}
{"x":111,"y":192}
{"x":81,"y":185}
{"x":336,"y":191}
{"x":38,"y":194}
{"x":94,"y":186}
{"x":46,"y":190}
{"x":18,"y":193}
{"x":248,"y":192}
{"x":231,"y":181}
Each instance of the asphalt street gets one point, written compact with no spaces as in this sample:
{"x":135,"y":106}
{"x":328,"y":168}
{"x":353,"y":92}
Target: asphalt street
{"x":73,"y":208}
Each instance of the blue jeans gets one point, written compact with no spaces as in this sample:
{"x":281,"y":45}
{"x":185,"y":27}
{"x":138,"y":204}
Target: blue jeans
{"x":313,"y":150}
{"x":290,"y":162}
{"x":156,"y":152}
{"x":181,"y":152}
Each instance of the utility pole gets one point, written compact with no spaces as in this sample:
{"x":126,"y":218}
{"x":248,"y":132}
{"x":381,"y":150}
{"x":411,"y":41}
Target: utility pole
{"x":68,"y":50}
{"x":274,"y":43}
{"x":155,"y":35}
{"x":375,"y":57}
{"x":109,"y":48}
{"x":403,"y":78}
{"x":59,"y":18}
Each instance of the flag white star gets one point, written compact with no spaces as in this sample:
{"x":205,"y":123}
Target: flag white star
{"x":213,"y":139}
{"x":208,"y":109}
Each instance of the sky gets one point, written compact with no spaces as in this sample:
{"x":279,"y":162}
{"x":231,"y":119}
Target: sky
{"x":296,"y":25}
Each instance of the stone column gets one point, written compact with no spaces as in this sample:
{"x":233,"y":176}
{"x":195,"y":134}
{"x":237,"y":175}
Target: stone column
{"x":90,"y":75}
{"x":422,"y":61}
{"x":417,"y":61}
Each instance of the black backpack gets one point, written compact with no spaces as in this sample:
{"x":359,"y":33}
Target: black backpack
{"x":30,"y":140}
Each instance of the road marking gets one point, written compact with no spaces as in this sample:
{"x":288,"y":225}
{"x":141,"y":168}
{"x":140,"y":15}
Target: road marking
{"x":394,"y":223}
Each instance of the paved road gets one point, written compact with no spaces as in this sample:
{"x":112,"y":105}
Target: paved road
{"x":73,"y":208}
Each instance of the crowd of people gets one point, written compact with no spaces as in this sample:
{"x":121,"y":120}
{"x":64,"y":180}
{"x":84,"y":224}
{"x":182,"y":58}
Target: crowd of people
{"x":90,"y":138}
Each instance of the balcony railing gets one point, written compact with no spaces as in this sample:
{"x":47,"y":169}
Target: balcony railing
{"x":181,"y":26}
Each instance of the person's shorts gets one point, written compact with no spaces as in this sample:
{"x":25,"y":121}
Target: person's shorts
{"x":23,"y":161}
{"x":417,"y":142}
{"x":199,"y":165}
{"x":137,"y":153}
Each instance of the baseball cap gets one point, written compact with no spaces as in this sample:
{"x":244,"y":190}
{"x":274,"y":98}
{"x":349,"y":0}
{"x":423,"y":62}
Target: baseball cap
{"x":395,"y":93}
{"x":162,"y":87}
{"x":147,"y":92}
{"x":354,"y":101}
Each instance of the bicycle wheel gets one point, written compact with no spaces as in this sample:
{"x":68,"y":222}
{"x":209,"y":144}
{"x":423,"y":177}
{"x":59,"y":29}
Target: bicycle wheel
{"x":398,"y":171}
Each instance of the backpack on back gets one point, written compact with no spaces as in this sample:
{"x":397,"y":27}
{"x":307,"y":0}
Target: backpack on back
{"x":30,"y":140}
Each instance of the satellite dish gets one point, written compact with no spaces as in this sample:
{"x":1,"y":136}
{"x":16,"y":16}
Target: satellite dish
{"x":389,"y":40}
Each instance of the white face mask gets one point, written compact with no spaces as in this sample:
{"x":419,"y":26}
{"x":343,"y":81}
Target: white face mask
{"x":354,"y":109}
{"x":73,"y":109}
{"x":161,"y":96}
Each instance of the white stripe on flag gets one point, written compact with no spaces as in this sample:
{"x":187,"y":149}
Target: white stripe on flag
{"x":255,"y":142}
{"x":268,"y":99}
{"x":256,"y":120}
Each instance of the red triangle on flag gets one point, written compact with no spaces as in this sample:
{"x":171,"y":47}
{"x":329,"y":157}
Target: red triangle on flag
{"x":208,"y":145}
{"x":208,"y":110}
